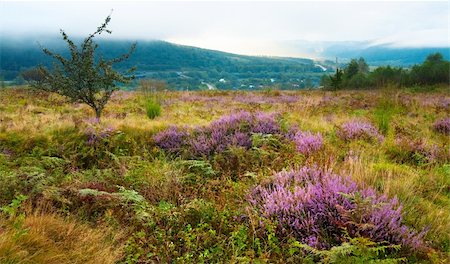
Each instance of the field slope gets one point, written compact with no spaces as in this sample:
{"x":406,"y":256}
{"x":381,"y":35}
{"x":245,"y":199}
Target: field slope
{"x":273,"y":176}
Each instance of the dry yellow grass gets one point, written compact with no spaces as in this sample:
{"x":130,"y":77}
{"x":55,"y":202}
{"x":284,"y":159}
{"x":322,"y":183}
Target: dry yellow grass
{"x":51,"y":239}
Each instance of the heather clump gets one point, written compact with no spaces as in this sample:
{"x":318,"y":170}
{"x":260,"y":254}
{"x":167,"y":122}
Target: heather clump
{"x":95,"y":136}
{"x":266,"y":123}
{"x":355,"y":129}
{"x":307,"y":142}
{"x":230,"y":130}
{"x":172,"y":139}
{"x":416,"y":152}
{"x":235,"y":130}
{"x":266,"y":99}
{"x":442,"y":126}
{"x":319,"y":209}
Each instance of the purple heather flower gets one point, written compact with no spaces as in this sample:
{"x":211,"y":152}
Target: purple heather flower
{"x":7,"y":152}
{"x":171,"y":139}
{"x":266,"y":123}
{"x":414,"y":147}
{"x":307,"y":142}
{"x":201,"y":145}
{"x":443,"y":126}
{"x":96,"y":135}
{"x":230,"y":130}
{"x":355,"y":129}
{"x":315,"y":206}
{"x":241,"y":139}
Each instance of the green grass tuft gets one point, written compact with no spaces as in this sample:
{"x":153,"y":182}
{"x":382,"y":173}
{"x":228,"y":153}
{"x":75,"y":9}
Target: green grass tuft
{"x":153,"y":108}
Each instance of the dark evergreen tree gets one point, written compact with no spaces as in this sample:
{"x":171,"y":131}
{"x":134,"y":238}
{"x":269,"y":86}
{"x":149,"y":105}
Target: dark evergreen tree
{"x":362,"y":66}
{"x":434,"y":70}
{"x":351,"y":69}
{"x":336,"y":80}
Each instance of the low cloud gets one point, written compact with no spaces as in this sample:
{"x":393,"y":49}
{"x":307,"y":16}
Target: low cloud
{"x":242,"y":27}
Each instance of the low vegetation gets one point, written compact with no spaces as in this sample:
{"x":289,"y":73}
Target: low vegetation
{"x":219,"y":176}
{"x":356,"y":75}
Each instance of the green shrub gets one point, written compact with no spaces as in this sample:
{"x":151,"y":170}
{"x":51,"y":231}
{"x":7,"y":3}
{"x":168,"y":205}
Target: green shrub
{"x":153,"y":108}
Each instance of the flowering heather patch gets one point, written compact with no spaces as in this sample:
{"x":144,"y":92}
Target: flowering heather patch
{"x":307,"y":142}
{"x":438,"y":101}
{"x":230,"y":130}
{"x":264,"y":99}
{"x":171,"y":139}
{"x":95,"y":136}
{"x":266,"y":123}
{"x":197,"y":98}
{"x":443,"y":126}
{"x":328,"y":100}
{"x":234,"y":130}
{"x":316,"y":207}
{"x":414,"y":151}
{"x":121,"y":95}
{"x":443,"y":103}
{"x":358,"y":130}
{"x":244,"y":98}
{"x":6,"y":152}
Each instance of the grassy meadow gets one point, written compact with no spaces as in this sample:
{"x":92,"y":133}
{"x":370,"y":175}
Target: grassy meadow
{"x":121,"y":191}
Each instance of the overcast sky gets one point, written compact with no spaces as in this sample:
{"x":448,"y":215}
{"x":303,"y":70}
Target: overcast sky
{"x":256,"y":28}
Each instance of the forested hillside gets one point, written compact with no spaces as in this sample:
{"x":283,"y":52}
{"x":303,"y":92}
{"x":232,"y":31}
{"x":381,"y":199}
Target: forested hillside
{"x":183,"y":67}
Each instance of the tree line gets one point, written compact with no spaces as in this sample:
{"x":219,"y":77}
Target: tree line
{"x":357,"y":75}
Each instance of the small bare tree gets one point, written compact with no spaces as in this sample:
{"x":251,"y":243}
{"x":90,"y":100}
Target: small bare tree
{"x":84,"y":77}
{"x":149,"y":87}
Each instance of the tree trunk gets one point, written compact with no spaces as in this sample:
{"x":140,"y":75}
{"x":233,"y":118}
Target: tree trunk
{"x":98,"y":113}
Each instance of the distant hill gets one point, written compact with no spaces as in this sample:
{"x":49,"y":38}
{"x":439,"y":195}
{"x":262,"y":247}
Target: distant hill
{"x":181,"y":66}
{"x":374,"y":54}
{"x":386,"y":55}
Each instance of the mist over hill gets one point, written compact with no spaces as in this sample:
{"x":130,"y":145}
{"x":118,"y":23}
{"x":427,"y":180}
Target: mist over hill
{"x":375,"y":54}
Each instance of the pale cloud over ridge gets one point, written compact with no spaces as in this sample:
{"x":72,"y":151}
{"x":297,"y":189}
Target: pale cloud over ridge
{"x":255,"y":28}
